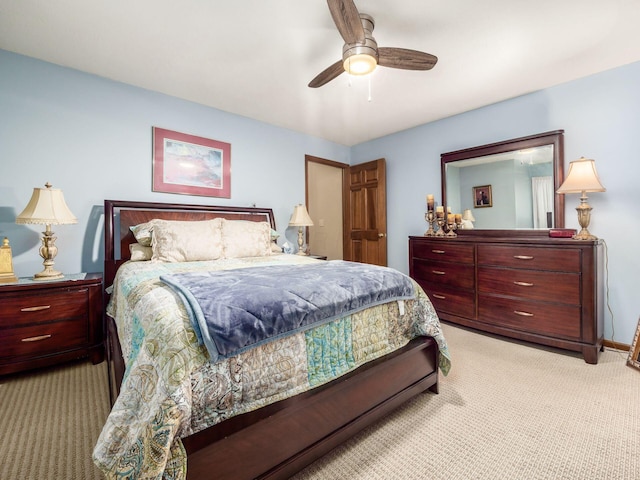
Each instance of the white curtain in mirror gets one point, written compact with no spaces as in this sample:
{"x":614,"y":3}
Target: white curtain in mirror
{"x":542,"y":191}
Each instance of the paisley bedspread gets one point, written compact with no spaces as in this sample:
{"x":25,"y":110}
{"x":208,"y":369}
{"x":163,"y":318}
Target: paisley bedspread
{"x":171,"y":389}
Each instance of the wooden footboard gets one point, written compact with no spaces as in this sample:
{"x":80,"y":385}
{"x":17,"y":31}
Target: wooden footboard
{"x":277,"y":441}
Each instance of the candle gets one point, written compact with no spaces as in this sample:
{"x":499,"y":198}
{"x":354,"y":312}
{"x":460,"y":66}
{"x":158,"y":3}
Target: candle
{"x":451,"y":218}
{"x":458,"y":218}
{"x":440,"y":211}
{"x":430,"y":201}
{"x":448,"y":209}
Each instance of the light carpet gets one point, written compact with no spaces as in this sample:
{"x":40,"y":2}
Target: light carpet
{"x":50,"y":420}
{"x":507,"y":410}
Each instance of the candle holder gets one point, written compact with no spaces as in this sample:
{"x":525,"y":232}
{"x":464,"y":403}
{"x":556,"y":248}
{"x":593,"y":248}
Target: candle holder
{"x":440,"y":221}
{"x":451,"y":224}
{"x":430,"y":218}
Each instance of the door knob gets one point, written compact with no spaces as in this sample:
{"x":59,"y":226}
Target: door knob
{"x":382,"y":235}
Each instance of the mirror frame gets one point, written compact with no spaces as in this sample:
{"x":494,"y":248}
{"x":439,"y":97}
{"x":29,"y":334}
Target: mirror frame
{"x":555,"y":138}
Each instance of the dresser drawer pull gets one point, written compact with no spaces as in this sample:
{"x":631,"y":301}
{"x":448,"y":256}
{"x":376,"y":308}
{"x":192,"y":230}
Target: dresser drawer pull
{"x":523,"y":257}
{"x":36,"y":339}
{"x":439,"y":252}
{"x":523,"y":284}
{"x":35,"y":309}
{"x":523,"y":314}
{"x":438,"y":296}
{"x":438,"y":272}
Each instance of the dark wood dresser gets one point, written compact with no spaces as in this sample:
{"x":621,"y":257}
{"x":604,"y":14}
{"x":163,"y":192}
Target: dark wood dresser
{"x":525,"y":286}
{"x":43,"y":323}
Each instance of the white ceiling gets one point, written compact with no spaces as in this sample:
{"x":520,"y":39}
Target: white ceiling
{"x":256,"y":57}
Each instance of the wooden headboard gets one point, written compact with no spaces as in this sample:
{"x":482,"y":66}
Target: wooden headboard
{"x":120,"y":215}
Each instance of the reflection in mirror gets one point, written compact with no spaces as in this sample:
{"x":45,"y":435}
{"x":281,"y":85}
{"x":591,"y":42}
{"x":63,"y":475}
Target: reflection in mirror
{"x":508,"y":185}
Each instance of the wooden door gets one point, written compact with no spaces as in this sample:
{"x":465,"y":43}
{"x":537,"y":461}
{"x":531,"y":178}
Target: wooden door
{"x":366,"y":233}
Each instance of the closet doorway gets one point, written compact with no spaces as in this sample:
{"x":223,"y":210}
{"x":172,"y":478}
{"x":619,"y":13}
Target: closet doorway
{"x":348,"y":207}
{"x":325,"y":180}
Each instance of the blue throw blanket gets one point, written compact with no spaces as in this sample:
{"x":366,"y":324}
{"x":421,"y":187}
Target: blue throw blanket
{"x":233,"y":310}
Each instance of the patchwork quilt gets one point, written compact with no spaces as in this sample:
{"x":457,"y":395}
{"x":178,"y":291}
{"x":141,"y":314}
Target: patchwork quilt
{"x":172,"y":389}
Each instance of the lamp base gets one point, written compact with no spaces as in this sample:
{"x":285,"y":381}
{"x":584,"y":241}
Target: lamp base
{"x":584,"y":234}
{"x":48,"y":251}
{"x":584,"y":218}
{"x":48,"y":274}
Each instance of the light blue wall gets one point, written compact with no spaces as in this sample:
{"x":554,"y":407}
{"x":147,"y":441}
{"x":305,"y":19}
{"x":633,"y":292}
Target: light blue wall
{"x":600,"y":115}
{"x":91,"y":137}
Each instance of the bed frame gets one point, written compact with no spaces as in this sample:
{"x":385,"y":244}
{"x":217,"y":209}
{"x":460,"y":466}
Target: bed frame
{"x":278,"y":440}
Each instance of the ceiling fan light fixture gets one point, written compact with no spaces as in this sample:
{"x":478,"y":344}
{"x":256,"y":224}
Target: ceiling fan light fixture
{"x":360,"y":64}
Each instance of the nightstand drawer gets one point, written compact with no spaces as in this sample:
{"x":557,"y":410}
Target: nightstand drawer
{"x":43,"y":338}
{"x":43,"y":307}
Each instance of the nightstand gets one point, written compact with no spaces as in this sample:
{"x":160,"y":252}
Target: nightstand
{"x":47,"y":322}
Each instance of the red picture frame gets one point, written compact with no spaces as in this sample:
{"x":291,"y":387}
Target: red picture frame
{"x":190,"y":165}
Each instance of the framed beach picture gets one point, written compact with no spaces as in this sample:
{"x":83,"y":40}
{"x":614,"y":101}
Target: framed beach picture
{"x":482,"y":196}
{"x":190,"y":165}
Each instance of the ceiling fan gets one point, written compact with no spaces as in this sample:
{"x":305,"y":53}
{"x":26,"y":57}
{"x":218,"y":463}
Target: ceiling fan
{"x":360,"y":53}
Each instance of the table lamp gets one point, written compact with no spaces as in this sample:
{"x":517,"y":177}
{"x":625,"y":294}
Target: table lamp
{"x":300,"y":218}
{"x":582,"y":178}
{"x":47,"y":207}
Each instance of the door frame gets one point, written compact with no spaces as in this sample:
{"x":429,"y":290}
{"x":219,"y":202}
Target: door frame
{"x":345,"y":192}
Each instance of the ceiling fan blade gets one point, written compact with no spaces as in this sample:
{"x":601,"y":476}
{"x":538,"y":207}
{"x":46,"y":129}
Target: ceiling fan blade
{"x":347,"y":19}
{"x":327,"y":75}
{"x":405,"y":59}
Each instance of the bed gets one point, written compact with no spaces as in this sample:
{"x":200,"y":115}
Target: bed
{"x":257,"y":412}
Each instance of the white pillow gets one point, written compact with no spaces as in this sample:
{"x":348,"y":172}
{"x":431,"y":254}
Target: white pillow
{"x":140,"y":253}
{"x":142,"y":232}
{"x":243,"y":238}
{"x":184,"y":241}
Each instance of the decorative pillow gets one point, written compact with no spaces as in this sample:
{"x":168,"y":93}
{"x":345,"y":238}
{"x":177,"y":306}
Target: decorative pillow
{"x":184,"y":241}
{"x":142,"y":232}
{"x":275,"y":248}
{"x":243,"y":238}
{"x":140,"y":253}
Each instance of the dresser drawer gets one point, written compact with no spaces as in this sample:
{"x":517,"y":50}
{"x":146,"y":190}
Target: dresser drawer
{"x":453,"y":274}
{"x":41,"y":307}
{"x":451,"y":300}
{"x":534,"y":317}
{"x":443,"y":251}
{"x":554,"y":287}
{"x":43,"y":338}
{"x":554,"y":259}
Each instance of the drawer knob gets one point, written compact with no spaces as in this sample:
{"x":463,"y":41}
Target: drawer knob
{"x":523,"y":314}
{"x":439,"y":252}
{"x":523,"y":284}
{"x":35,"y":309}
{"x":438,"y":272}
{"x":523,"y":257}
{"x":35,"y":339}
{"x":438,"y":296}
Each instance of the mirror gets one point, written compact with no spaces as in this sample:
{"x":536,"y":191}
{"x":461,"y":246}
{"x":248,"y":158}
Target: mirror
{"x":508,"y":185}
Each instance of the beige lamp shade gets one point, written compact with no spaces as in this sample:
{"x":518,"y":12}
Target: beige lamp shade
{"x":300,"y":217}
{"x":582,"y":177}
{"x":467,"y":215}
{"x":47,"y":207}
